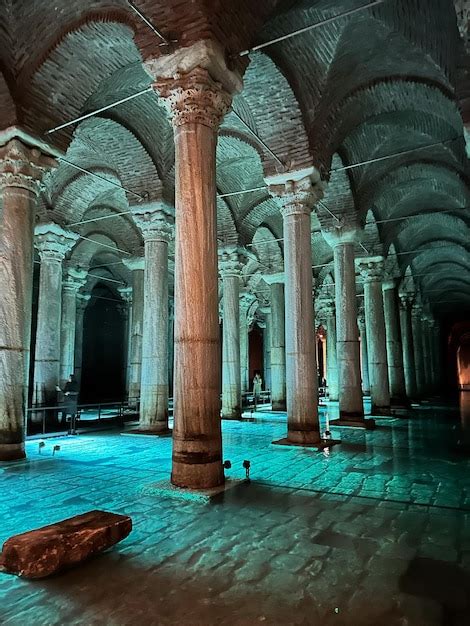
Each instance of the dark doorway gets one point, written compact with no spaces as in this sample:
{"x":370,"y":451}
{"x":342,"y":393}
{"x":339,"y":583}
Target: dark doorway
{"x":255,"y":353}
{"x":103,"y":361}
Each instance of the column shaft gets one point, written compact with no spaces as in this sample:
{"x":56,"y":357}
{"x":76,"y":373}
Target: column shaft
{"x":364,"y":357}
{"x":267,"y":351}
{"x":136,"y":333}
{"x":301,"y":365}
{"x":278,"y":353}
{"x":331,"y":356}
{"x":231,"y":383}
{"x":68,"y":327}
{"x":376,"y":345}
{"x":347,"y":340}
{"x":408,"y":352}
{"x":394,"y":347}
{"x":154,"y":373}
{"x":418,"y":351}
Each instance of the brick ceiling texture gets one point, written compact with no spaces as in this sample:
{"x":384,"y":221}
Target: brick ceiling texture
{"x":394,"y":78}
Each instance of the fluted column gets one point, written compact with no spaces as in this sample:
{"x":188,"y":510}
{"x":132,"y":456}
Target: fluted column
{"x":137,"y":266}
{"x":198,"y":103}
{"x":331,"y":354}
{"x":74,"y":279}
{"x":229,"y":269}
{"x":372,"y":270}
{"x":394,"y":347}
{"x":342,"y":239}
{"x":361,"y":322}
{"x":278,"y":347}
{"x":155,"y":222}
{"x":52,"y":243}
{"x":416,"y":315}
{"x":21,"y":169}
{"x":407,"y":343}
{"x":296,"y":193}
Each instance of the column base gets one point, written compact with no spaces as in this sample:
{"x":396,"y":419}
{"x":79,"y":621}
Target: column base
{"x":12,"y":451}
{"x":384,"y":411}
{"x":318,"y":444}
{"x":279,"y":405}
{"x":197,"y":475}
{"x":233,"y":415}
{"x":351,"y":422}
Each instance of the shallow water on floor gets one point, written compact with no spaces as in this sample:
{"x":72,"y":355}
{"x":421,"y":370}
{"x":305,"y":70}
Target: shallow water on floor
{"x":374,"y":531}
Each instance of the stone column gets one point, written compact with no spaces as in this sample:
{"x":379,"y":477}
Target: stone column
{"x":155,"y":222}
{"x":125,"y":310}
{"x":416,"y":315}
{"x":198,"y":103}
{"x":136,"y":265}
{"x":342,"y":239}
{"x":278,"y":348}
{"x":427,"y":365}
{"x":82,"y":302}
{"x":229,"y":269}
{"x":246,"y":304}
{"x":171,"y":342}
{"x":296,"y":193}
{"x":409,"y":367}
{"x":21,"y":169}
{"x":53,"y":243}
{"x":74,"y":279}
{"x":331,"y":354}
{"x":372,"y":270}
{"x":267,"y":347}
{"x":436,"y":351}
{"x":361,"y":322}
{"x":396,"y":372}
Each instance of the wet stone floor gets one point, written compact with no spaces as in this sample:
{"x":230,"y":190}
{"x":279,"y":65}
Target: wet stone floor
{"x":376,"y":532}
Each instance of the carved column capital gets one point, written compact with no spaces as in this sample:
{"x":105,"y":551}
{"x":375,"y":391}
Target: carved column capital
{"x":74,"y":279}
{"x":125,"y":293}
{"x":342,"y":231}
{"x":22,"y":166}
{"x":296,"y":192}
{"x":194,"y":98}
{"x":53,"y":242}
{"x":371,"y":268}
{"x":134,"y":263}
{"x":230,"y":261}
{"x":154,"y":221}
{"x":406,"y":300}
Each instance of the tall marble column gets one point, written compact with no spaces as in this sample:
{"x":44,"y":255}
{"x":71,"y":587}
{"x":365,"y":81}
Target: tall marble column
{"x":125,"y":310}
{"x":396,"y":372}
{"x":171,"y":342}
{"x":229,"y":269}
{"x":21,"y":169}
{"x":296,"y":193}
{"x":372,"y":270}
{"x":278,"y":347}
{"x":155,"y":222}
{"x":361,"y":322}
{"x":267,"y":347}
{"x":246,"y":305}
{"x":331,"y":355}
{"x":407,"y":343}
{"x":198,"y":104}
{"x":427,"y":365}
{"x":75,"y":278}
{"x":136,"y":265}
{"x":82,"y":303}
{"x":416,"y":315}
{"x":52,"y":243}
{"x":342,"y":239}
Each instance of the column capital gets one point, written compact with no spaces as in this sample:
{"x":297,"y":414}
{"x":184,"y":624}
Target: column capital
{"x":82,"y":300}
{"x":390,"y":282}
{"x":155,"y":221}
{"x":406,"y":300}
{"x":417,"y":311}
{"x":22,"y":166}
{"x":134,"y":263}
{"x":125,"y":293}
{"x":53,"y":242}
{"x":194,"y":98}
{"x":371,"y":268}
{"x":272,"y":279}
{"x":297,"y":192}
{"x":327,"y":306}
{"x":75,"y":278}
{"x":230,"y":261}
{"x":342,"y":231}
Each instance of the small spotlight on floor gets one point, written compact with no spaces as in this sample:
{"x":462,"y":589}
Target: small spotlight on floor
{"x":41,"y":446}
{"x":227,"y":464}
{"x":55,"y":449}
{"x":247,"y":465}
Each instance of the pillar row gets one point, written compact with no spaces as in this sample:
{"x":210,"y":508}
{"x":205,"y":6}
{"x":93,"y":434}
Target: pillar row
{"x":361,"y":321}
{"x":331,"y":354}
{"x":75,"y":278}
{"x":393,"y":343}
{"x":417,"y":313}
{"x":409,"y":366}
{"x":52,"y":243}
{"x":136,"y":320}
{"x":278,"y":345}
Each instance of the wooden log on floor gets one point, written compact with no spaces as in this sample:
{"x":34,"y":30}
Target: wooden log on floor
{"x":50,"y":549}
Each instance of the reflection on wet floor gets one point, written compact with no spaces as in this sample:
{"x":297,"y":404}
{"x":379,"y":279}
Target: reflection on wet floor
{"x":375,"y":531}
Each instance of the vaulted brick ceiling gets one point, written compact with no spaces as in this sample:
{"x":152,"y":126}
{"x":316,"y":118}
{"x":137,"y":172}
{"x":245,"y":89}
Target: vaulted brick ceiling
{"x":389,"y":79}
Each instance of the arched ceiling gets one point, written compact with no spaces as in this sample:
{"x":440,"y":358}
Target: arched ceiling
{"x":390,"y":80}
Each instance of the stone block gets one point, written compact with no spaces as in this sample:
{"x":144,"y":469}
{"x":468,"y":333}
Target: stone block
{"x":48,"y":550}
